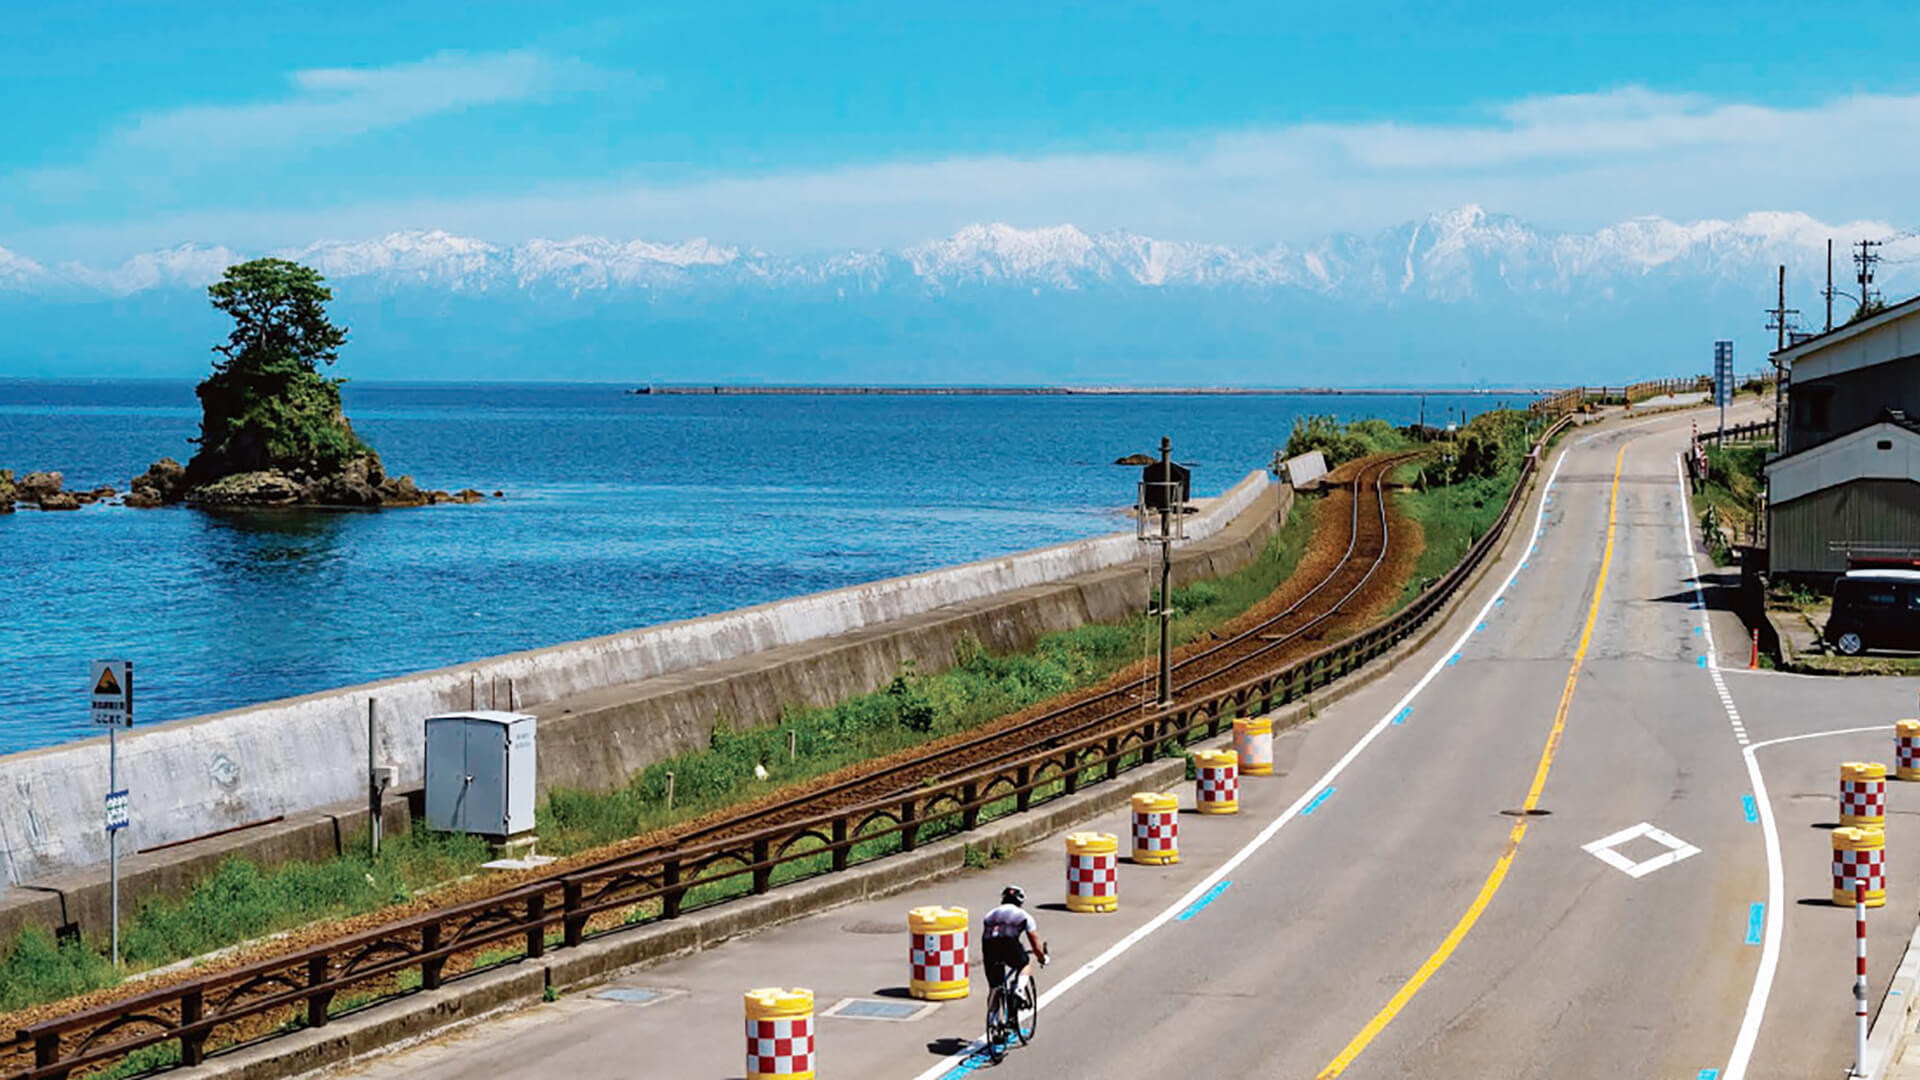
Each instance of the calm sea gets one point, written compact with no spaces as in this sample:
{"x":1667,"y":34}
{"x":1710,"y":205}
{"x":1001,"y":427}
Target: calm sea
{"x":621,"y":511}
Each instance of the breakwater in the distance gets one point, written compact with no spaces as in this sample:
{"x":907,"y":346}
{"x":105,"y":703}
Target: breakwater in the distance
{"x":749,"y":390}
{"x":620,"y":511}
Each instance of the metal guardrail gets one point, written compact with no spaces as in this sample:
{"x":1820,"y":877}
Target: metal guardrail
{"x":1760,"y":430}
{"x":308,"y":987}
{"x":1572,"y":398}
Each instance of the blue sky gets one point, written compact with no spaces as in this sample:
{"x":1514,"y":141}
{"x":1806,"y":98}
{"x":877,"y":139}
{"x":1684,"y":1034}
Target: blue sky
{"x":802,"y":127}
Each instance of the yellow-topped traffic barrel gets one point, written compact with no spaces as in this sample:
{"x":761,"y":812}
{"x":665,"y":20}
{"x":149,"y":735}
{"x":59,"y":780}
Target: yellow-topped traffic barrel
{"x":1216,"y":780}
{"x":1906,"y":752}
{"x":780,"y":1034}
{"x":937,"y":953}
{"x":1859,"y":853}
{"x":1156,"y":828}
{"x":1863,"y":794}
{"x":1093,"y":872}
{"x":1253,"y":745}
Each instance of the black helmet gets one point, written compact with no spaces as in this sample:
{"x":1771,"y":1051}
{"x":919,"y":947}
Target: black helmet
{"x":1013,"y":894}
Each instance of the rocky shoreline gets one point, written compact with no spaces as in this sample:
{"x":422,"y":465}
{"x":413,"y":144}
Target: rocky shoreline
{"x":273,"y":434}
{"x":363,"y":484}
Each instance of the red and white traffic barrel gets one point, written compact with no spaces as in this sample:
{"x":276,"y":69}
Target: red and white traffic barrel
{"x":1906,"y":750}
{"x":1253,"y":745}
{"x":780,"y":1034}
{"x":937,"y":953}
{"x":1863,"y":795}
{"x":1859,"y":855}
{"x":1093,"y":872}
{"x":1156,"y":828}
{"x":1216,"y":782}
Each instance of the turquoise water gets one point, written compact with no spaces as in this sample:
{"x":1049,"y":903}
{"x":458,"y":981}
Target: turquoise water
{"x":621,"y":511}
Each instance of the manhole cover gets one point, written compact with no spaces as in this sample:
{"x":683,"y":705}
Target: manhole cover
{"x":632,"y":995}
{"x":1535,"y":812}
{"x":876,"y":1009}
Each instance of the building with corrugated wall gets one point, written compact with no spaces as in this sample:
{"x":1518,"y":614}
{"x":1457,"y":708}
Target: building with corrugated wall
{"x":1850,"y":500}
{"x":1846,"y":489}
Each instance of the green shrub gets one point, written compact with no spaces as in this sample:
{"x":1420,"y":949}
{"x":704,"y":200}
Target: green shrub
{"x":1343,"y":442}
{"x":240,"y":900}
{"x":37,"y":969}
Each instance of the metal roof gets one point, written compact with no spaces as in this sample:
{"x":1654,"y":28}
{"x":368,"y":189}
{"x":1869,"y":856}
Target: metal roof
{"x":1847,"y":330}
{"x":491,"y":716}
{"x":1909,"y":576}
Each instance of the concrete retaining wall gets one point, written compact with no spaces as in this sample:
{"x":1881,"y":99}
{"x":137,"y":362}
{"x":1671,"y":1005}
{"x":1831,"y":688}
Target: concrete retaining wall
{"x":600,"y":739}
{"x":469,"y":1000}
{"x":293,"y":757}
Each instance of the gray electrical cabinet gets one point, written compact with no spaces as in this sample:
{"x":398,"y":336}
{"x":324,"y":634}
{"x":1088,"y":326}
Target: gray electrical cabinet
{"x":480,"y":773}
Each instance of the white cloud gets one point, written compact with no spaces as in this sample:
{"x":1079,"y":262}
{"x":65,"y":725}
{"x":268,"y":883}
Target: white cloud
{"x":326,"y":106}
{"x":1575,"y":161}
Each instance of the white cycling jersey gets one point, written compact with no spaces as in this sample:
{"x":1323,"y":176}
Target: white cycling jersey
{"x":1007,"y":921}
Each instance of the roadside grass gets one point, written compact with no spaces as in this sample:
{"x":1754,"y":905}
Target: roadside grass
{"x":1451,"y":518}
{"x":242,"y":901}
{"x":1729,"y":500}
{"x":1820,"y":664}
{"x":1462,"y":486}
{"x":913,"y":709}
{"x":239,"y":901}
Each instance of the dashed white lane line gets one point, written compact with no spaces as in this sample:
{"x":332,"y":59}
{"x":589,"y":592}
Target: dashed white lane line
{"x":1749,"y":1033}
{"x":958,"y":1064}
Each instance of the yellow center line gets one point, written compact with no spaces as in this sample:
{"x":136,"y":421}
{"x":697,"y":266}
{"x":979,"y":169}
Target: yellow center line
{"x":1492,"y":885}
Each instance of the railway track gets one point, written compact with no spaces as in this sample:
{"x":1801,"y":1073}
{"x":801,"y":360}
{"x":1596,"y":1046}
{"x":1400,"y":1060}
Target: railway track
{"x":1269,"y":642}
{"x":263,"y":992}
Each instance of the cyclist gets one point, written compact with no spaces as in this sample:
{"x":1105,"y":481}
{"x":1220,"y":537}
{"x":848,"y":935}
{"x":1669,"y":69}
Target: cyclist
{"x":1002,"y":931}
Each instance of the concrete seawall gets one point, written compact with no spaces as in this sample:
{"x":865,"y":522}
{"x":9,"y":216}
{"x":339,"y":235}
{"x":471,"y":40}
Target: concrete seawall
{"x":303,"y":757}
{"x":599,"y":739}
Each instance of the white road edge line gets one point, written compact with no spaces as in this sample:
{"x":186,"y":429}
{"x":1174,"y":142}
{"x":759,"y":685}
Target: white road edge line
{"x":1113,"y":952}
{"x":1749,"y":1034}
{"x":1820,"y":735}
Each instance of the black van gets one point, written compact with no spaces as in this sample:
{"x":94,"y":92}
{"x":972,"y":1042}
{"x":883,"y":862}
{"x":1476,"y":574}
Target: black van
{"x":1875,"y":609}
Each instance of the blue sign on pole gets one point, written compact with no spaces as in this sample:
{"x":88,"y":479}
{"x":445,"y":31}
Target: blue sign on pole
{"x":119,"y":813}
{"x":1723,"y":373}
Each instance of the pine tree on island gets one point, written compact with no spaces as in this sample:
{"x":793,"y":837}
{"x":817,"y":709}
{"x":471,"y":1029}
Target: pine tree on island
{"x":272,"y":432}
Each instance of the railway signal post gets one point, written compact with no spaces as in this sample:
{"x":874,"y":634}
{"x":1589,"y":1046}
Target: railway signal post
{"x":1164,"y":488}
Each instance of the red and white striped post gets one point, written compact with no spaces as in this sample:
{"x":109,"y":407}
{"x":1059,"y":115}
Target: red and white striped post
{"x":1859,"y":976}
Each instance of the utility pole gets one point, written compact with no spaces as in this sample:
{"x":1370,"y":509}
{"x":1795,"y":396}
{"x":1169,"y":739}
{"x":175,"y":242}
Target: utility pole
{"x":1829,"y":283}
{"x":1780,"y":314}
{"x":1778,"y":323}
{"x":1863,"y":261}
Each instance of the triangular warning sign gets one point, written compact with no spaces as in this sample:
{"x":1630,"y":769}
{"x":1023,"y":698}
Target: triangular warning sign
{"x":108,"y":686}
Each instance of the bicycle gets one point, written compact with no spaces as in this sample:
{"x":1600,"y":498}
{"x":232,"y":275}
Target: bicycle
{"x":1013,"y":1010}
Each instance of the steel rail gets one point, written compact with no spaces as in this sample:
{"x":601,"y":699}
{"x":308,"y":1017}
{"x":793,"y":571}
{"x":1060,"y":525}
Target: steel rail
{"x":1128,"y":690}
{"x":1268,"y":646}
{"x":283,"y":991}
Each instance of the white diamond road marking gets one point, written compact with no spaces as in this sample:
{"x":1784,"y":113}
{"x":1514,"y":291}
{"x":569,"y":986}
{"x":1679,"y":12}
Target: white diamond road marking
{"x":1603,"y":849}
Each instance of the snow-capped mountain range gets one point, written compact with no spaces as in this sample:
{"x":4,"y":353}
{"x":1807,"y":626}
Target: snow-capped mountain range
{"x":1448,"y":256}
{"x":1459,"y":296}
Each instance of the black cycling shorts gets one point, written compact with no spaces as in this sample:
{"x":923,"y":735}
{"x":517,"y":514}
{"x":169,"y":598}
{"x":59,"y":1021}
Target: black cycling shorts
{"x":1003,"y":954}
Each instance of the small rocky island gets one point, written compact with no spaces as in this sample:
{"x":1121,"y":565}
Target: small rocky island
{"x":272,"y":431}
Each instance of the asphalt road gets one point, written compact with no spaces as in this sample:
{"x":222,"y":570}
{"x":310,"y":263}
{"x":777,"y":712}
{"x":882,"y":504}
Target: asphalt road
{"x":1409,"y":898}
